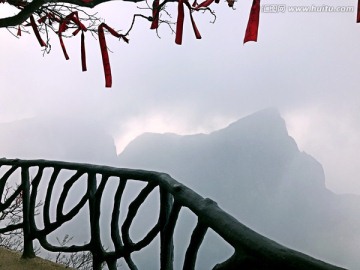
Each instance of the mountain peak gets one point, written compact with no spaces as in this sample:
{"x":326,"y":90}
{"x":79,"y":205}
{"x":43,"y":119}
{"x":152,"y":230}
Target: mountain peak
{"x":266,"y":124}
{"x":267,"y":117}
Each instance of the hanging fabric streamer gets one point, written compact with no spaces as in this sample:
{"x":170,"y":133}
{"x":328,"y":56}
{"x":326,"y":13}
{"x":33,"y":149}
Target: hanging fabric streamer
{"x":196,"y":30}
{"x":63,"y":26}
{"x":251,"y":33}
{"x":104,"y":51}
{"x":83,"y":52}
{"x":36,"y":31}
{"x":204,"y":4}
{"x":156,"y":14}
{"x":180,"y":23}
{"x":18,"y":31}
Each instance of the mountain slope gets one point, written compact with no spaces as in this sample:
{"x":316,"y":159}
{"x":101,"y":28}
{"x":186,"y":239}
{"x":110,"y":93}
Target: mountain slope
{"x":255,"y":171}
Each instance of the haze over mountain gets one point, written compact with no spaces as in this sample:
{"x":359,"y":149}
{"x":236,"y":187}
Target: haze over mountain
{"x":252,"y":168}
{"x":75,"y":139}
{"x":255,"y":171}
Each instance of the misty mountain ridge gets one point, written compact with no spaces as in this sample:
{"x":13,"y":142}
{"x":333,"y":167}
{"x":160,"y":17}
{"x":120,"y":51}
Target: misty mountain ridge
{"x":252,"y":168}
{"x":255,"y":171}
{"x":257,"y":145}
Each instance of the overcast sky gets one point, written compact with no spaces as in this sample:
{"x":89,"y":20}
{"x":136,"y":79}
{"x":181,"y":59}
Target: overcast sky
{"x":304,"y":64}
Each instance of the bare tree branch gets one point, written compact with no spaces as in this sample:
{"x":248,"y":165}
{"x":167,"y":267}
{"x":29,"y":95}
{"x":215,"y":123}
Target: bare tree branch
{"x":23,"y":15}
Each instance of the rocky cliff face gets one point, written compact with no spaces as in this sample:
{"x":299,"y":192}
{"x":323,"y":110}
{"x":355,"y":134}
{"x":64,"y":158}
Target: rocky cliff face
{"x":255,"y":171}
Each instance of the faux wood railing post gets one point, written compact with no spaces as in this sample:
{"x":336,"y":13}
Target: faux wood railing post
{"x":94,"y":211}
{"x":28,"y":241}
{"x":166,"y":240}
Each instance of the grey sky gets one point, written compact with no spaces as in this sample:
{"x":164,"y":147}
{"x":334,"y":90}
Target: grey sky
{"x":305,"y":64}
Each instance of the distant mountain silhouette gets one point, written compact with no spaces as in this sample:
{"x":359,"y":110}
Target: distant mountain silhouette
{"x":69,"y":139}
{"x":252,"y":168}
{"x":255,"y":171}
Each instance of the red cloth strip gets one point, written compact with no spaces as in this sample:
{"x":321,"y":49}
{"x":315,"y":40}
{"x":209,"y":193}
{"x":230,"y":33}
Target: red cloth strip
{"x":62,"y":28}
{"x":180,"y":23}
{"x":105,"y":56}
{"x":52,"y":17}
{"x":358,"y":12}
{"x":83,"y":52}
{"x":63,"y":47}
{"x":18,"y":31}
{"x":36,"y":31}
{"x":76,"y":32}
{"x":112,"y":31}
{"x":196,"y":30}
{"x":104,"y":50}
{"x":43,"y":19}
{"x":230,"y":3}
{"x":206,"y":3}
{"x":74,"y":16}
{"x":156,"y":14}
{"x":251,"y":33}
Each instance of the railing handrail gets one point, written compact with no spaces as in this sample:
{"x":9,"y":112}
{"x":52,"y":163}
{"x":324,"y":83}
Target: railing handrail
{"x":248,"y":244}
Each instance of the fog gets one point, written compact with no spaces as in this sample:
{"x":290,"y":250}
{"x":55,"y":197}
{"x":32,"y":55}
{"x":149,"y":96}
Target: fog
{"x":304,"y":64}
{"x":255,"y":171}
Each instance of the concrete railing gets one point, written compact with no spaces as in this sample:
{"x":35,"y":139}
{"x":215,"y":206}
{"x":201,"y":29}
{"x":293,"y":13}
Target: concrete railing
{"x":251,"y":250}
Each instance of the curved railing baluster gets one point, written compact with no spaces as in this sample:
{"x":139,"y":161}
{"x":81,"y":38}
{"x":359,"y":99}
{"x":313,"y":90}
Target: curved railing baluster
{"x":167,"y":246}
{"x":63,"y":195}
{"x":133,"y":208}
{"x":197,"y":238}
{"x":115,"y":233}
{"x":35,"y":184}
{"x":3,"y":181}
{"x":46,"y":211}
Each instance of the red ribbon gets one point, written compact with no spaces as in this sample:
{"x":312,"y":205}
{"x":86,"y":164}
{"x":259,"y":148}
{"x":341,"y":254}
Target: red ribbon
{"x":62,"y":28}
{"x":52,"y":17}
{"x":230,"y":3}
{"x":104,"y":51}
{"x":83,"y":52}
{"x":206,"y":3}
{"x":36,"y":31}
{"x":19,"y":31}
{"x":105,"y":56}
{"x":358,"y":12}
{"x":74,"y":17}
{"x":43,"y":19}
{"x":251,"y":33}
{"x":196,"y":30}
{"x":180,"y":23}
{"x":156,"y":14}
